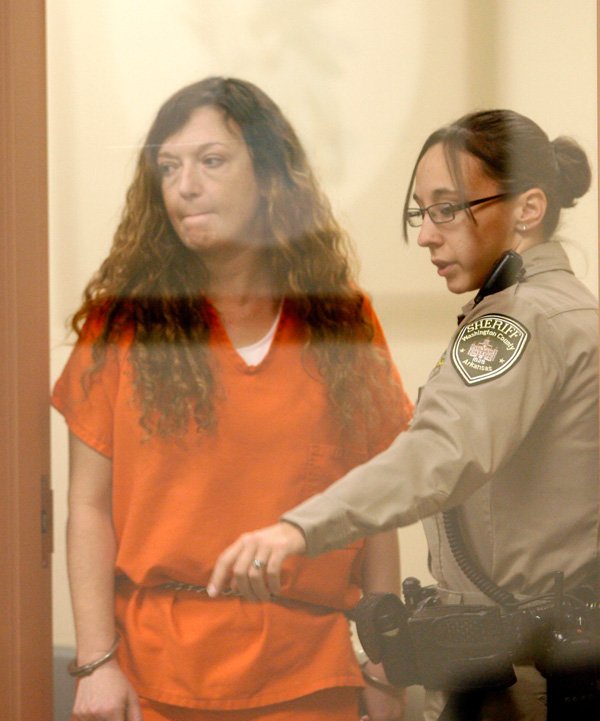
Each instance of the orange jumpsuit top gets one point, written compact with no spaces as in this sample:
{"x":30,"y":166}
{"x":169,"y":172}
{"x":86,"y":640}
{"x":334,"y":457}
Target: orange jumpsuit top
{"x":179,"y":501}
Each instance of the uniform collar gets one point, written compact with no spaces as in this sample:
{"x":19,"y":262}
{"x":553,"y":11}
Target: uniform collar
{"x":545,"y":257}
{"x":541,"y":258}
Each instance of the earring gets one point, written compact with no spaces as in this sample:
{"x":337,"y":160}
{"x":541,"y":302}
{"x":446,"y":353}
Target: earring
{"x":522,"y":227}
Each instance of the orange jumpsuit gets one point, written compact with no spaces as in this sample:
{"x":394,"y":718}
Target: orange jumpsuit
{"x":179,"y":501}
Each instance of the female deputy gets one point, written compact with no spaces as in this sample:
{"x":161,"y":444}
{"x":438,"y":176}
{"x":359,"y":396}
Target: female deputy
{"x":227,"y":367}
{"x":507,"y":425}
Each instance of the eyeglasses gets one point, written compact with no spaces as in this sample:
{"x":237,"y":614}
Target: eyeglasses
{"x":444,"y":212}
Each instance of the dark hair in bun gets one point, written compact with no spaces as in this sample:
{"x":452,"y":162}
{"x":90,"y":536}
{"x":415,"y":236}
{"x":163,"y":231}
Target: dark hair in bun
{"x":574,"y":173}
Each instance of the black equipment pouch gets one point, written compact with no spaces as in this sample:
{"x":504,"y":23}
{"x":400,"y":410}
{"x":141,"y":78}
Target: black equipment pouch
{"x":567,"y":654}
{"x":461,"y":648}
{"x":440,"y":647}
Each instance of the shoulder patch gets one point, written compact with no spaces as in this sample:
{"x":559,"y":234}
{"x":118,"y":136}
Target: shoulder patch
{"x":488,"y":347}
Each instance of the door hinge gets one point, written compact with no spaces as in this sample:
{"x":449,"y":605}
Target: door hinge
{"x":46,"y":521}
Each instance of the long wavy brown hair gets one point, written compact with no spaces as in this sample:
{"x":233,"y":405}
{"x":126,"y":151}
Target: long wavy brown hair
{"x":152,"y":288}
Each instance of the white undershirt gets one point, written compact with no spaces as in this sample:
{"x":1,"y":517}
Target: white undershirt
{"x":256,"y":352}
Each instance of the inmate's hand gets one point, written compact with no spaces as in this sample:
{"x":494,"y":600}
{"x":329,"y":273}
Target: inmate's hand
{"x":252,"y":564}
{"x":106,"y":695}
{"x":382,"y":703}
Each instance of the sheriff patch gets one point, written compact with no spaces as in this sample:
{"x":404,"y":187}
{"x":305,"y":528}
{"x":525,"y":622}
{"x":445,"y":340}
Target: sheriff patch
{"x":488,"y":347}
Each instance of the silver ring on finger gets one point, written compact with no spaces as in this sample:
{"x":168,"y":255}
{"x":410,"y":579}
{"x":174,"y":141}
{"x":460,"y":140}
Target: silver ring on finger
{"x":257,"y":563}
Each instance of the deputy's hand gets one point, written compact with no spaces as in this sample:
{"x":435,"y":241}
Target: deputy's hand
{"x":252,"y":564}
{"x":106,"y":695}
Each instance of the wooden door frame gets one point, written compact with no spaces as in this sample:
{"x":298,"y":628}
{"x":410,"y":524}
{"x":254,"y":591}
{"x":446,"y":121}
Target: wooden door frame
{"x":25,"y":505}
{"x":25,"y":600}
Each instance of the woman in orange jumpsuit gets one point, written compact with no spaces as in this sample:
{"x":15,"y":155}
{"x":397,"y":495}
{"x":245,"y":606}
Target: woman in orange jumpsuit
{"x":227,"y":367}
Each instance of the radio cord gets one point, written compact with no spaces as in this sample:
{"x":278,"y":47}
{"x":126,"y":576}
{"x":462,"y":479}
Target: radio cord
{"x":469,"y":566}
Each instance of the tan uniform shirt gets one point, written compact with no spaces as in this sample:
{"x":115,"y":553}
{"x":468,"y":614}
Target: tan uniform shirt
{"x":507,"y":425}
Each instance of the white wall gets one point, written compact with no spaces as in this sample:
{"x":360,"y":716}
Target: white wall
{"x":362,"y":81}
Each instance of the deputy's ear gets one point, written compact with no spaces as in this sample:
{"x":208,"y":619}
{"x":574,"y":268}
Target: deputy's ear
{"x":530,"y":209}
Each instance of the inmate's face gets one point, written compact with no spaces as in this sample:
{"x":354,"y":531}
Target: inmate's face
{"x":462,"y":251}
{"x":208,"y":184}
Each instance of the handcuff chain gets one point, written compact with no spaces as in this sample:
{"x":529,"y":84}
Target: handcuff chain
{"x":228,"y":592}
{"x":193,"y":588}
